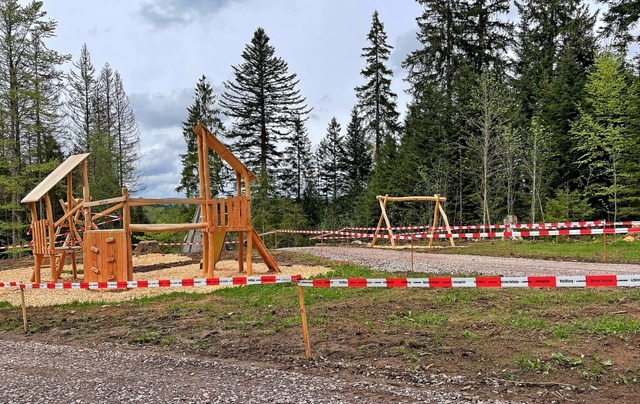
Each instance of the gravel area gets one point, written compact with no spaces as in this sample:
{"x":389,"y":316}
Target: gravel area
{"x":400,"y":260}
{"x":32,"y":372}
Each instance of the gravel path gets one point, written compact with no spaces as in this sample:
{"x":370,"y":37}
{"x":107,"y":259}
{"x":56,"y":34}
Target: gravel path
{"x":34,"y":372}
{"x":400,"y":260}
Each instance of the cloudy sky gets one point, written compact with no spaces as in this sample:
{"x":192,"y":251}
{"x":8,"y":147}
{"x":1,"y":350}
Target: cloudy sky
{"x":162,"y":47}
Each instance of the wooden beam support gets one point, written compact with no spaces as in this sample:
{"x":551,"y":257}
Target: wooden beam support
{"x":141,"y":228}
{"x":165,"y":201}
{"x":103,"y":202}
{"x":410,"y":198}
{"x":383,"y":204}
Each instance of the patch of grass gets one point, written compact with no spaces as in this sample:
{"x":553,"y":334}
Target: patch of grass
{"x":469,"y":335}
{"x":527,"y":363}
{"x":523,"y":321}
{"x":6,"y":305}
{"x":147,"y":337}
{"x":10,"y":324}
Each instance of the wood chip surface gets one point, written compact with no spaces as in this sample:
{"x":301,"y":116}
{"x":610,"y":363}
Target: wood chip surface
{"x":181,"y":267}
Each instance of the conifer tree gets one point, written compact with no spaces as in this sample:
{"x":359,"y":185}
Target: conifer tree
{"x":620,"y":20}
{"x":126,"y":138}
{"x":81,"y":84}
{"x":296,"y":162}
{"x":26,"y":104}
{"x":376,"y":101}
{"x":203,"y":110}
{"x":357,"y":155}
{"x":330,"y":156}
{"x":264,"y":103}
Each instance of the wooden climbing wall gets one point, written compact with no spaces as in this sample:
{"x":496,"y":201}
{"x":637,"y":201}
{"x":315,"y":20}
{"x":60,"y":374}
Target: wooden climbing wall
{"x":105,"y":256}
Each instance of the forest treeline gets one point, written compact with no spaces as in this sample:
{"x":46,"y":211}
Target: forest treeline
{"x":534,"y":113}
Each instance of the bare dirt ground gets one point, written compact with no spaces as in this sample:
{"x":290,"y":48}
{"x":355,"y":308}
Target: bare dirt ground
{"x":368,"y":347}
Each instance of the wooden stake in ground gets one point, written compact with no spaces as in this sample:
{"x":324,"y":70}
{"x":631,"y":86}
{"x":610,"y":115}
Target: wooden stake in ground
{"x":305,"y":328}
{"x":24,"y":309}
{"x":411,"y":253}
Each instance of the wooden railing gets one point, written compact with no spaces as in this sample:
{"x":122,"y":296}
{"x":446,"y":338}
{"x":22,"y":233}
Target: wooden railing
{"x":230,"y":214}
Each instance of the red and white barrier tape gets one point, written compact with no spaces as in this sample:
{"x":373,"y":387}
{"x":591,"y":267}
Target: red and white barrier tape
{"x":551,"y":225}
{"x":505,"y":234}
{"x":588,"y":281}
{"x":160,"y":283}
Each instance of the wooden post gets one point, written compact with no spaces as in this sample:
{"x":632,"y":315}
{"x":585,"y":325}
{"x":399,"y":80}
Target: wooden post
{"x":375,"y":234}
{"x":435,"y":219}
{"x":86,"y":196}
{"x":249,"y":241}
{"x":604,"y":238}
{"x":24,"y":309}
{"x":446,"y":223}
{"x":411,"y":253}
{"x":126,"y":225}
{"x":305,"y":328}
{"x":383,"y":205}
{"x":204,"y":206}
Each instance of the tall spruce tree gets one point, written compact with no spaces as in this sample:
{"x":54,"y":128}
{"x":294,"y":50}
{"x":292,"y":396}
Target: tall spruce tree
{"x":126,"y":138}
{"x":376,"y":101}
{"x":202,"y":110}
{"x":80,"y":89}
{"x":296,"y":161}
{"x":24,"y":61}
{"x":357,"y":156}
{"x":330,"y":156}
{"x":620,"y":20}
{"x":264,"y":103}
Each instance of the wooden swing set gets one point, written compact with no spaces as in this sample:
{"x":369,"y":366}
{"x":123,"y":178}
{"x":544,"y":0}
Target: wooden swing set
{"x":107,"y":254}
{"x":438,"y":210}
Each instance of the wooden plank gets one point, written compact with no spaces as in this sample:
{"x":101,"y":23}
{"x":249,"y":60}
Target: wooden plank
{"x":103,"y":202}
{"x":240,"y":251}
{"x":410,"y":198}
{"x":224,"y":153}
{"x":264,"y":253}
{"x":110,"y":210}
{"x":54,"y":177}
{"x":165,"y":201}
{"x":51,"y":232}
{"x":141,"y":228}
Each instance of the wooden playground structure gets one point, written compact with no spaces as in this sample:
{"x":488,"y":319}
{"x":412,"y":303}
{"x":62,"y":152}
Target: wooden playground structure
{"x":438,"y":210}
{"x":107,"y":254}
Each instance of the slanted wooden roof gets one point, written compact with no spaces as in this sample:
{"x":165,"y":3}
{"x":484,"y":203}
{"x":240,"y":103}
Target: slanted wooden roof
{"x":223,"y":152}
{"x":52,"y":179}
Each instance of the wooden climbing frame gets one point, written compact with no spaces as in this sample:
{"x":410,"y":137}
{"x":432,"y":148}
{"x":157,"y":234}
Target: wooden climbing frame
{"x":438,"y":210}
{"x":107,"y":253}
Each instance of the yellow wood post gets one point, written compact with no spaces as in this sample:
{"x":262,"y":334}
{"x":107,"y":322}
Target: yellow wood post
{"x":249,"y":238}
{"x":126,"y":226}
{"x":435,"y":219}
{"x":24,"y":309}
{"x":446,"y":223}
{"x":411,"y":253}
{"x":383,"y":205}
{"x":305,"y":328}
{"x":375,"y":234}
